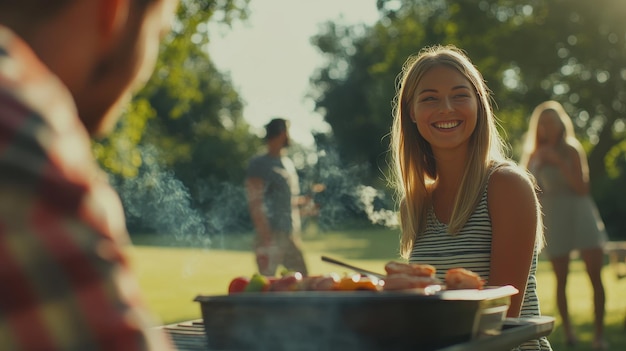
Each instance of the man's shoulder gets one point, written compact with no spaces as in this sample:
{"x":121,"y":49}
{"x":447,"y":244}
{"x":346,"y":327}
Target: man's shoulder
{"x":38,"y":155}
{"x":258,"y":165}
{"x":23,"y":134}
{"x":258,"y":160}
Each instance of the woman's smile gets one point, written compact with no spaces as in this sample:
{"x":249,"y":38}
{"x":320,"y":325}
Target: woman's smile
{"x":446,"y":108}
{"x":446,"y":125}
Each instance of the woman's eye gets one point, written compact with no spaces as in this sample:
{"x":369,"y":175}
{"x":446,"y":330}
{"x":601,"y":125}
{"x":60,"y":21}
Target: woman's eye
{"x":428,"y":98}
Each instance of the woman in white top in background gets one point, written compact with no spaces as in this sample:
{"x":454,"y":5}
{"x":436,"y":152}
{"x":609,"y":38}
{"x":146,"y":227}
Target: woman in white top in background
{"x":572,"y":222}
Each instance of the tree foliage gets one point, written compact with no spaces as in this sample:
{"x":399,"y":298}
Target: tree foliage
{"x":184,"y":134}
{"x":573,"y":51}
{"x":186,"y":104}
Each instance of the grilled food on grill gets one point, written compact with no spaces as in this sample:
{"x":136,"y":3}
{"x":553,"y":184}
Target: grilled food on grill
{"x":325,"y":282}
{"x":400,"y":276}
{"x":412,"y":275}
{"x":401,"y":281}
{"x":461,"y":278}
{"x":288,"y":282}
{"x":413,"y":269}
{"x":257,"y":283}
{"x":238,"y":285}
{"x":358,"y":282}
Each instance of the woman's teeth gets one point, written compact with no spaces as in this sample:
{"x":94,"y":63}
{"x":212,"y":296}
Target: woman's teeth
{"x":447,"y":125}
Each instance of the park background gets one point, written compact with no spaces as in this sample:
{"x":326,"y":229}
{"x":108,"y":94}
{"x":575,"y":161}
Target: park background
{"x":178,"y":158}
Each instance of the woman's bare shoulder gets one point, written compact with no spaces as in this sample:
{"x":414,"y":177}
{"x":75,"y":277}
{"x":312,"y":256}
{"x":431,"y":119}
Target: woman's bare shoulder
{"x":512,"y":199}
{"x":510,"y":180}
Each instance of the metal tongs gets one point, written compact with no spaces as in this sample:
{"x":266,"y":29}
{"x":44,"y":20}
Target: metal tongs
{"x":354,"y":268}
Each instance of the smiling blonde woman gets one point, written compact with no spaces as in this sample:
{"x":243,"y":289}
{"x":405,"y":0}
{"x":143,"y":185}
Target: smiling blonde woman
{"x":463,"y":204}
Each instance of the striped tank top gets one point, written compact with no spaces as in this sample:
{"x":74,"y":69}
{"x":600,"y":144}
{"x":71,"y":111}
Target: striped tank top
{"x":471,"y":249}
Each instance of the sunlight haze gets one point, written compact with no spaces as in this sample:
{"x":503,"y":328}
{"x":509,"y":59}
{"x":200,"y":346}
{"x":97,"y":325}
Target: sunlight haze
{"x":270,"y":58}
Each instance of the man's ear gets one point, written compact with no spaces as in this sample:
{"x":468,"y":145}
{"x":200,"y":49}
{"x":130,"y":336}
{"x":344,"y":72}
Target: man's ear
{"x":112,"y":18}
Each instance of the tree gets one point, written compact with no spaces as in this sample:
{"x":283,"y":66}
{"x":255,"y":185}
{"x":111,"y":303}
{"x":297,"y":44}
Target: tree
{"x":355,"y":90}
{"x":183,"y":138}
{"x":573,"y":51}
{"x":176,"y":89}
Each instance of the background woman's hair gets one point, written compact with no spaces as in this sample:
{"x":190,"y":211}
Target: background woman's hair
{"x":531,"y":142}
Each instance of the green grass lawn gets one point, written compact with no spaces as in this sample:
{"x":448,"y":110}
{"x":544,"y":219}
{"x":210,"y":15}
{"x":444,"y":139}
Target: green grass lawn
{"x":172,"y":275}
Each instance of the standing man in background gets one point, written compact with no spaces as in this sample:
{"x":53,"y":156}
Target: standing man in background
{"x":65,"y":67}
{"x":273,"y":198}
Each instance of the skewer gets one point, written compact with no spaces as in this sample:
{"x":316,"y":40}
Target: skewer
{"x":354,"y":268}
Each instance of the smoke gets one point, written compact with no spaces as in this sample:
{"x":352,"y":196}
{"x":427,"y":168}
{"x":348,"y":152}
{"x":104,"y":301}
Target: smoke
{"x":155,"y":200}
{"x":367,"y":197}
{"x":225,"y":209}
{"x":344,"y":195}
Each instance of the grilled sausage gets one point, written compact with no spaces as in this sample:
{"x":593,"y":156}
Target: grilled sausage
{"x":414,"y":269}
{"x":401,"y":281}
{"x":461,"y":278}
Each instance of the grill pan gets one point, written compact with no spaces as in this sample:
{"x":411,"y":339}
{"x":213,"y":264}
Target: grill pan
{"x":358,"y":320}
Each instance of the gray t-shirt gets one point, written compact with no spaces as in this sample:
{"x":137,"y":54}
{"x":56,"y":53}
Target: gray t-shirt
{"x":281,"y":184}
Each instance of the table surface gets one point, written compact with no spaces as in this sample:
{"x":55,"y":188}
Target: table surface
{"x":190,"y":336}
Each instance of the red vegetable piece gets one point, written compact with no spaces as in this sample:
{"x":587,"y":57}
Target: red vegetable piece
{"x":238,"y":285}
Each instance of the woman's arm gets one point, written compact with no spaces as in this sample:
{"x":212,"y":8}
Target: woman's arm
{"x":514,"y":212}
{"x":576,"y":172}
{"x":255,"y":192}
{"x":573,"y":167}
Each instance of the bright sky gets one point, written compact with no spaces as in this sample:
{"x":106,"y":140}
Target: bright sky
{"x":270,"y":58}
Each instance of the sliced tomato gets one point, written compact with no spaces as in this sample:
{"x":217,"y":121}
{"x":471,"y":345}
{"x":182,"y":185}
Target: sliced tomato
{"x":238,"y":285}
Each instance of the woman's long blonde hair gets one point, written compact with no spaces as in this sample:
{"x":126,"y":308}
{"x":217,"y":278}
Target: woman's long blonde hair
{"x":415,"y":167}
{"x":568,"y":136}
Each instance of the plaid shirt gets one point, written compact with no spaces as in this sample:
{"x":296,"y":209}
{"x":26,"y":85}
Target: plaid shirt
{"x":65,"y":282}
